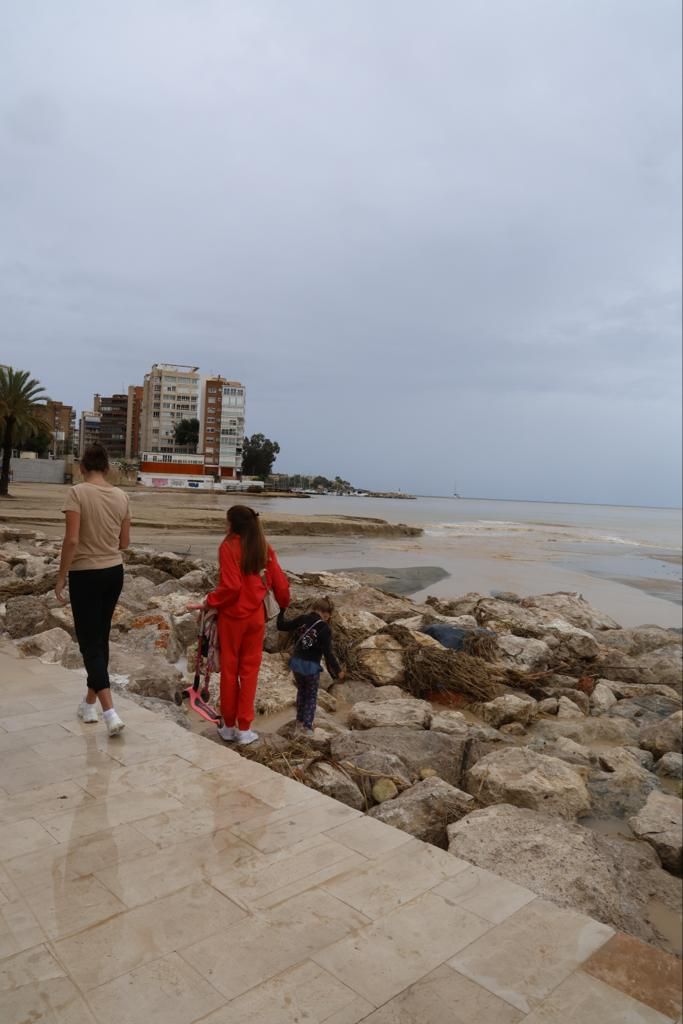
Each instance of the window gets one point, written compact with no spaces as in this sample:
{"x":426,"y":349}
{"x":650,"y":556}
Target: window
{"x":155,"y":415}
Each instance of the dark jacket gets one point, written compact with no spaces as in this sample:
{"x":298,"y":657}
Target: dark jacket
{"x":317,"y":639}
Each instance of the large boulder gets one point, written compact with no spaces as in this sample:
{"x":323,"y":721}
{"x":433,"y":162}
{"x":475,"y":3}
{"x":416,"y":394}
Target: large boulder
{"x":660,"y":823}
{"x":334,"y":782}
{"x":607,"y":878}
{"x":645,"y":711}
{"x":25,"y":616}
{"x":590,"y":730}
{"x":663,"y":737}
{"x":376,"y":602}
{"x":357,"y":621}
{"x":523,"y":653}
{"x":602,"y":698}
{"x":154,"y":632}
{"x":425,"y":810}
{"x":623,"y":691}
{"x":670,"y":766}
{"x":621,"y":785}
{"x":573,"y":608}
{"x":660,"y":667}
{"x":49,"y":645}
{"x":415,"y":748}
{"x":276,"y":690}
{"x":639,"y":639}
{"x":136,"y":593}
{"x":381,"y":658}
{"x":452,"y":722}
{"x":166,"y":561}
{"x":152,"y":676}
{"x":405,"y":713}
{"x":371,"y":766}
{"x":506,"y":709}
{"x":524,"y":778}
{"x":566,"y":708}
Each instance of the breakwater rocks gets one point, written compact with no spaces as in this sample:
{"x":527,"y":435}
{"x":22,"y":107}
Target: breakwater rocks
{"x":532,"y":736}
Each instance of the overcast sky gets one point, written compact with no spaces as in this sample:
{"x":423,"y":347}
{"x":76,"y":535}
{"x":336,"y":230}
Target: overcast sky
{"x":436,"y":239}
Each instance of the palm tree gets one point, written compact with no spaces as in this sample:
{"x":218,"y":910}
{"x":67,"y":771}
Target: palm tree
{"x":20,"y":398}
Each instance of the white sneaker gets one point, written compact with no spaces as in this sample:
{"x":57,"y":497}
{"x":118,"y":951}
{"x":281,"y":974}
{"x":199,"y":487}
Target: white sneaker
{"x":88,"y":712}
{"x":114,"y":724}
{"x":228,"y":733}
{"x":246,"y":736}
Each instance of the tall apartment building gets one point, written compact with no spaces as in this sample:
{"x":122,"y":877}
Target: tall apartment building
{"x":88,"y":431}
{"x":113,"y":411}
{"x":171,"y":394}
{"x":133,"y":420}
{"x":222,"y":427}
{"x":61,"y":421}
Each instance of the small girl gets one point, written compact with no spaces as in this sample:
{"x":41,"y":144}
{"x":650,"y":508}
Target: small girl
{"x":313,"y":643}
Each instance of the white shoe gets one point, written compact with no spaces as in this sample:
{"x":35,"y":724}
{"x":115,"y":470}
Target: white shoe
{"x":114,"y":725}
{"x":228,"y":733}
{"x":246,"y":736}
{"x":88,"y":712}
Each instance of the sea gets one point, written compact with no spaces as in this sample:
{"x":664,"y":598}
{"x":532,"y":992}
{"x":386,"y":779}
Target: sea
{"x":626,"y":560}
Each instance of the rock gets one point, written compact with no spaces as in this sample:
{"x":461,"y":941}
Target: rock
{"x":548,"y":706}
{"x":639,"y":639}
{"x":660,"y":823}
{"x":331,"y":781}
{"x":357,"y":621}
{"x":506,"y":709}
{"x":148,"y":572}
{"x":609,"y":879}
{"x":571,"y":752}
{"x":427,"y":773}
{"x":524,"y":653}
{"x":49,"y":645}
{"x":624,"y":690}
{"x":566,"y":708}
{"x":661,"y":667}
{"x":574,"y":609}
{"x":643,"y":757}
{"x":513,"y":729}
{"x":71,"y":657}
{"x":383,"y":790}
{"x":197,"y":581}
{"x":645,"y":711}
{"x":506,"y":618}
{"x":136,"y":593}
{"x":382,"y":659}
{"x":663,"y":737}
{"x":670,"y":766}
{"x":622,"y":787}
{"x":166,"y":561}
{"x":376,"y":602}
{"x":62,"y":616}
{"x":353,"y":691}
{"x":452,"y":722}
{"x":25,"y":616}
{"x":526,"y":779}
{"x":326,"y":701}
{"x":425,"y":810}
{"x":185,"y":628}
{"x":275,"y":690}
{"x":416,"y":748}
{"x":154,"y":632}
{"x":589,"y":730}
{"x":602,"y":698}
{"x":153,"y":676}
{"x":406,"y":713}
{"x":573,"y":642}
{"x":368,"y":766}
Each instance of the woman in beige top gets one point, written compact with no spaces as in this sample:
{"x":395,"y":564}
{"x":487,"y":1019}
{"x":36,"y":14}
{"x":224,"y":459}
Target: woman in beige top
{"x":97,"y":531}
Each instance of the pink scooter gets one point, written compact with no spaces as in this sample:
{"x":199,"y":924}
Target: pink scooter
{"x":199,"y":698}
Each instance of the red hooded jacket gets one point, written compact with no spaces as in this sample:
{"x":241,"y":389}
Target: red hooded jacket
{"x":238,"y":595}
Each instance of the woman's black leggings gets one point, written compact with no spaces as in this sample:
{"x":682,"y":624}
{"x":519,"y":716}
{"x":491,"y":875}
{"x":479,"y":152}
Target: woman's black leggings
{"x":93,"y":594}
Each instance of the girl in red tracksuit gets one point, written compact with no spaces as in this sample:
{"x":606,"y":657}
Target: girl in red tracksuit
{"x":248,"y":568}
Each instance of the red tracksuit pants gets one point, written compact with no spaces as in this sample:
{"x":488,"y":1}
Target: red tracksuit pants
{"x":241,"y":643}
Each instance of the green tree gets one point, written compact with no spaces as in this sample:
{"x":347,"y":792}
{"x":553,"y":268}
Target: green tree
{"x":187,"y":433}
{"x":37,"y":441}
{"x":258,"y":456}
{"x":20,"y":403}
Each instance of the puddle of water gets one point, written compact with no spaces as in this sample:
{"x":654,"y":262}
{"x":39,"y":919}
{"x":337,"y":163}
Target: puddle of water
{"x":667,"y":923}
{"x":608,"y":827}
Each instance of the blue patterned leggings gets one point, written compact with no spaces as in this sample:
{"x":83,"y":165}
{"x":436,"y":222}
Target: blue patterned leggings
{"x":306,"y":698}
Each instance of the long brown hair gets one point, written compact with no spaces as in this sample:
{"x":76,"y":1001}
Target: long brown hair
{"x":247,"y":525}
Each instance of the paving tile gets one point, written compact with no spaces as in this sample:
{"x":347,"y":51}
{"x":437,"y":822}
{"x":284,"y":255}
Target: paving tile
{"x":10,"y":741}
{"x":264,"y":880}
{"x":523,"y":959}
{"x":581,"y":999}
{"x":383,"y":885}
{"x":19,"y":837}
{"x":641,"y":971}
{"x":485,"y":894}
{"x":68,"y":745}
{"x":445,"y":997}
{"x":33,"y":987}
{"x":184,"y":822}
{"x":279,"y":791}
{"x":304,"y":993}
{"x":19,"y":929}
{"x":65,"y":907}
{"x":396,"y":951}
{"x":43,"y":773}
{"x":148,"y":775}
{"x":269,"y":942}
{"x":289,"y":825}
{"x":162,"y":872}
{"x":82,"y":856}
{"x":44,"y":802}
{"x":107,"y":813}
{"x":146,"y":933}
{"x":167,"y":991}
{"x":368,"y":836}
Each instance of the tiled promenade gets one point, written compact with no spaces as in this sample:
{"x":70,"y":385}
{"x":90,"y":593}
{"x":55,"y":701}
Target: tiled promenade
{"x":158,"y":878}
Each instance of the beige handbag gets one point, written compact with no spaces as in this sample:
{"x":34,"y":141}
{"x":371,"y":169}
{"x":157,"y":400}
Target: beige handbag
{"x":272,"y":608}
